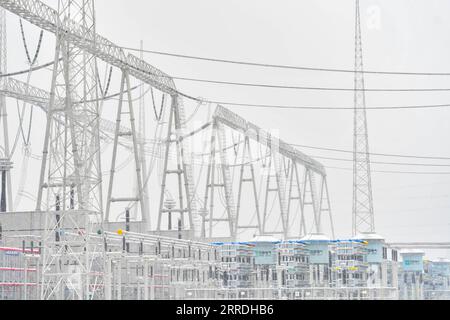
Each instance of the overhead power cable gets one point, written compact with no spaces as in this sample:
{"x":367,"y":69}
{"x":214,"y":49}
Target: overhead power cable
{"x":385,"y":163}
{"x":306,"y":107}
{"x":272,"y":106}
{"x":292,"y":87}
{"x":252,"y":105}
{"x":394,"y":172}
{"x":307,"y":88}
{"x":12,"y":74}
{"x":373,"y":154}
{"x":295,"y":87}
{"x":237,"y":104}
{"x":281,"y":66}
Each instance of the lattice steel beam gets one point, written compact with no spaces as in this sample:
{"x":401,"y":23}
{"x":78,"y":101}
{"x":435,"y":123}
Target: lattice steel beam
{"x":45,"y":17}
{"x":16,"y":89}
{"x":238,"y":123}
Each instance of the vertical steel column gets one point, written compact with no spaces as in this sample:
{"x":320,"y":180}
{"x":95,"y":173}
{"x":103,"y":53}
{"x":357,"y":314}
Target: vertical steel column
{"x":247,"y":152}
{"x":294,"y":184}
{"x":313,"y":203}
{"x":183,"y":169}
{"x":280,"y":194}
{"x":325,"y":197}
{"x":115,"y":146}
{"x":226,"y":181}
{"x":210,"y":180}
{"x":137,"y":159}
{"x":266,"y":198}
{"x":166,"y":165}
{"x":142,"y":147}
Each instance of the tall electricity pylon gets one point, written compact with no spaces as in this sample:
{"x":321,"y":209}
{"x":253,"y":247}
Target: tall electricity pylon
{"x":70,"y":176}
{"x":363,"y":217}
{"x":71,"y":157}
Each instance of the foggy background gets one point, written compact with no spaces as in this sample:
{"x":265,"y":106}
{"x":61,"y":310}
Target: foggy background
{"x":402,"y":35}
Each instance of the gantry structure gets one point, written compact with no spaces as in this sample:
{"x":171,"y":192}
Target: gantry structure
{"x":68,"y":245}
{"x":85,"y":39}
{"x":71,"y":222}
{"x":282,"y":180}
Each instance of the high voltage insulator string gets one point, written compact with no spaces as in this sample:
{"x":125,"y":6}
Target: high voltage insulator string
{"x":31,"y":62}
{"x":36,"y":54}
{"x":158,"y":115}
{"x":280,"y":66}
{"x":108,"y":82}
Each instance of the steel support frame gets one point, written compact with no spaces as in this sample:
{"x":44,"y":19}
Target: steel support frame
{"x":247,"y":161}
{"x":186,"y":201}
{"x":280,"y":193}
{"x":125,"y":81}
{"x":71,"y":161}
{"x":217,"y":147}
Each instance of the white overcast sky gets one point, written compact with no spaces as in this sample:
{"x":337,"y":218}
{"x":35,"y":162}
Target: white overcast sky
{"x":402,"y":35}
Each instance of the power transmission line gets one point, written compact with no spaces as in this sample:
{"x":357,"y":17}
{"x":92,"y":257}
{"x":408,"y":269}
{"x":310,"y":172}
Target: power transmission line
{"x":393,"y":172}
{"x":262,"y":85}
{"x":265,"y":106}
{"x":281,"y":66}
{"x":373,"y":154}
{"x":386,"y":163}
{"x":306,"y":88}
{"x":431,"y":106}
{"x":271,"y":106}
{"x":17,"y":73}
{"x":237,"y":104}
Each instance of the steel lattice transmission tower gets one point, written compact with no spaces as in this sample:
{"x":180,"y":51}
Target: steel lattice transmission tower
{"x":71,"y":158}
{"x":70,"y":177}
{"x":363,"y":216}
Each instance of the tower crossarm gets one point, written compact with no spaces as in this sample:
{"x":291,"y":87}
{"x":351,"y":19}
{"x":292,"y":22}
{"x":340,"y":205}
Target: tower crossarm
{"x":45,"y":17}
{"x":238,"y":123}
{"x":22,"y":91}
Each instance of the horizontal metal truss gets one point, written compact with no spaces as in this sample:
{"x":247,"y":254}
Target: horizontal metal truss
{"x":238,"y":123}
{"x":47,"y":18}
